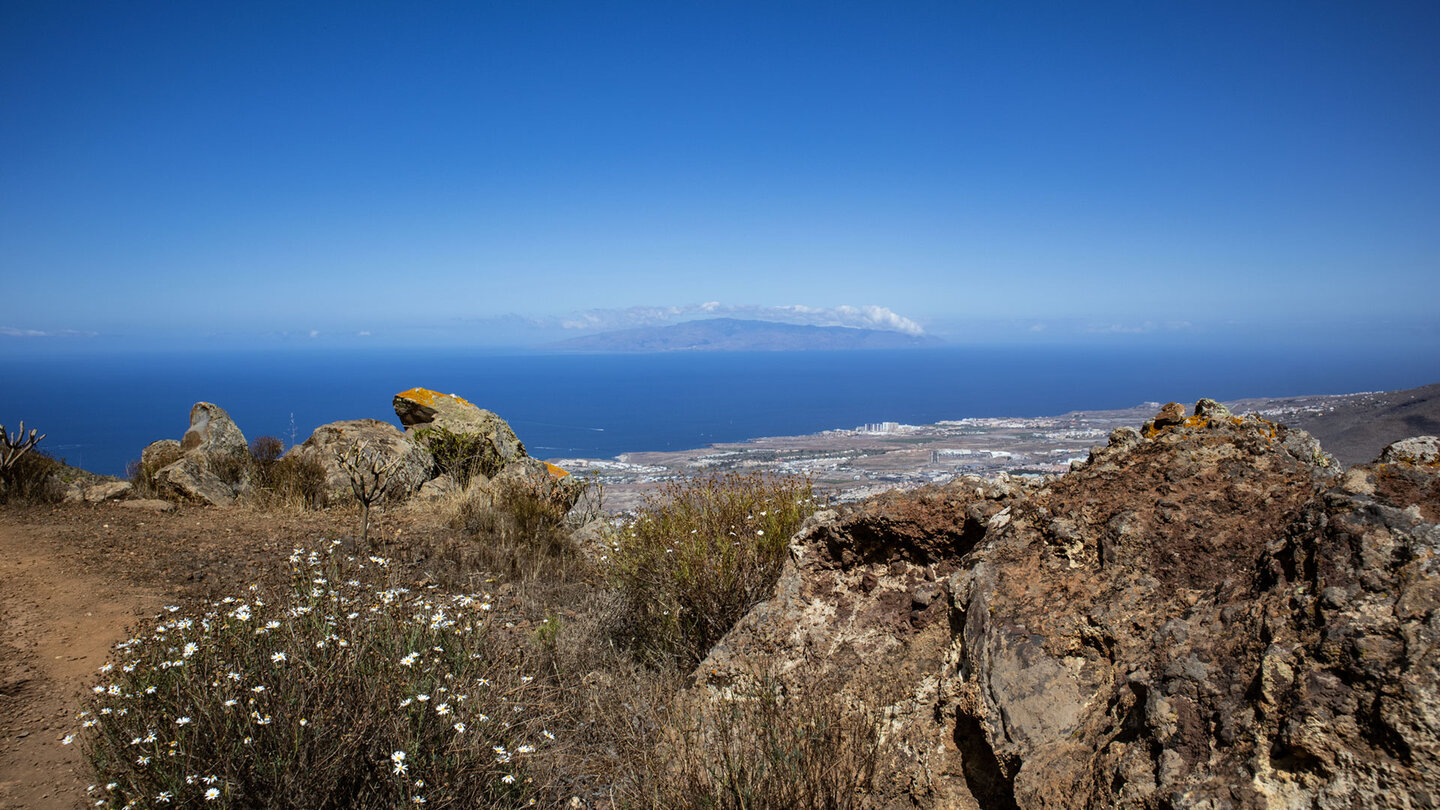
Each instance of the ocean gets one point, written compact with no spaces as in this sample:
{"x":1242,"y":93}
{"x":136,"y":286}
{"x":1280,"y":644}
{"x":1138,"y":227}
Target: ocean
{"x":99,"y":410}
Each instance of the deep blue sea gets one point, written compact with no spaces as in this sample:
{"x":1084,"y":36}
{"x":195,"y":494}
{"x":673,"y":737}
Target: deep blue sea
{"x":100,"y":410}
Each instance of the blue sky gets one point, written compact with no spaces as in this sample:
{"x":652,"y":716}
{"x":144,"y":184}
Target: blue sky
{"x":492,"y":173}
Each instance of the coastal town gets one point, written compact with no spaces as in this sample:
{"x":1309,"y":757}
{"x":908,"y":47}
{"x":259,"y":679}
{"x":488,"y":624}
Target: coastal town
{"x":854,"y":463}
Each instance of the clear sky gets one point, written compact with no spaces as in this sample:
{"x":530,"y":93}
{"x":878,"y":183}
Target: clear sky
{"x":495,"y":171}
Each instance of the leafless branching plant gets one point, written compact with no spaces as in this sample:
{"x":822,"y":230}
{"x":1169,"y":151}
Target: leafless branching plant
{"x":369,"y":472}
{"x":17,"y":444}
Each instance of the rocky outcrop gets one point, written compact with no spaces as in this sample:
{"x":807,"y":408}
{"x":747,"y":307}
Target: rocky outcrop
{"x":415,"y":465}
{"x":211,"y":465}
{"x":1206,"y":613}
{"x":157,"y":454}
{"x":200,"y":479}
{"x":421,"y":408}
{"x":213,"y":432}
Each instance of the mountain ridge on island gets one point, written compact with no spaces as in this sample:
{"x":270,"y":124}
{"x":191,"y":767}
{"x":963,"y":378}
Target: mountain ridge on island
{"x":741,"y":335}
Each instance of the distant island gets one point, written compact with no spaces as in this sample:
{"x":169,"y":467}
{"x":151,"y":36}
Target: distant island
{"x":736,"y":335}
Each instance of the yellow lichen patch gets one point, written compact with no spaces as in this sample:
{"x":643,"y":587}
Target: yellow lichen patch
{"x":426,"y":397}
{"x":555,"y":471}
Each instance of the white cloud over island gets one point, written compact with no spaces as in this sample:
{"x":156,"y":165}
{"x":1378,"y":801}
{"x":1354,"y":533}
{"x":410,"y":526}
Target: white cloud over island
{"x":863,"y":317}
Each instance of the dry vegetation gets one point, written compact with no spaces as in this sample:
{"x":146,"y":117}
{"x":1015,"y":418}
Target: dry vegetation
{"x":500,"y":660}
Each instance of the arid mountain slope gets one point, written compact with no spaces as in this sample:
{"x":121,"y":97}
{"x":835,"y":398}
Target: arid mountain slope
{"x":1356,"y":428}
{"x":1208,"y":613}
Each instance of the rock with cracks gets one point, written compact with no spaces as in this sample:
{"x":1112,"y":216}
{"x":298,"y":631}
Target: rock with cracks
{"x":415,"y":465}
{"x":1208,"y":614}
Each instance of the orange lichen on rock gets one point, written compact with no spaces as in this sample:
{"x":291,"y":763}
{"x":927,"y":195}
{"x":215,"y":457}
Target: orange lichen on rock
{"x":426,"y":397}
{"x":558,"y":472}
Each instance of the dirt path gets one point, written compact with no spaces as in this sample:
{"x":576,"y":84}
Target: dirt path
{"x":75,"y":578}
{"x":58,"y":621}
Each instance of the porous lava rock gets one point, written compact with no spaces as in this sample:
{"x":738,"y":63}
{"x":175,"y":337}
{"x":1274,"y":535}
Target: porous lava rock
{"x":1205,"y":614}
{"x":414,"y":464}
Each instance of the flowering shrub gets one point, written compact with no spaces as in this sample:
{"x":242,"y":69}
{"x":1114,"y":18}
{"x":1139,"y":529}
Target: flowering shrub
{"x":340,"y":694}
{"x":698,"y":556}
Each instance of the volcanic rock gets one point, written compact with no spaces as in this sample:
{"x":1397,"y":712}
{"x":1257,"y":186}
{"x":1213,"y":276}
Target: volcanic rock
{"x":415,"y":467}
{"x":1417,"y":450}
{"x":157,"y":454}
{"x":213,"y":432}
{"x":1201,"y":617}
{"x":420,"y":408}
{"x":195,"y":478}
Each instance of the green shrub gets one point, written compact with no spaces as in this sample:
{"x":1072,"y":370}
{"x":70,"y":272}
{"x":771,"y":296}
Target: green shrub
{"x":698,"y":556}
{"x":32,"y":478}
{"x":461,"y":456}
{"x":338,"y":695}
{"x":762,"y":749}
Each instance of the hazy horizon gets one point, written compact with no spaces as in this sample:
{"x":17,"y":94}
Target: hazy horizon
{"x":507,"y":175}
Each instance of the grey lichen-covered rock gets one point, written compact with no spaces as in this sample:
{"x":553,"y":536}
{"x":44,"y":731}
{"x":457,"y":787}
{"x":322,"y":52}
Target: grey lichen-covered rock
{"x":1210,"y":617}
{"x":193,"y":478}
{"x":1210,"y":409}
{"x":439,"y":487}
{"x":1415,"y":450}
{"x":213,"y":432}
{"x":421,"y":408}
{"x":157,"y":454}
{"x":107,"y":491}
{"x":415,"y":467}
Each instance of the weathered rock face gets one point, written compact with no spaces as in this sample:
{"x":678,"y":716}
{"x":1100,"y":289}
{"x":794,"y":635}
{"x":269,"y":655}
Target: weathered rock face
{"x":415,"y":466}
{"x":541,"y":477}
{"x":213,"y":432}
{"x":207,"y":466}
{"x":195,"y":478}
{"x":1206,"y":616}
{"x":159,"y":453}
{"x":420,"y":408}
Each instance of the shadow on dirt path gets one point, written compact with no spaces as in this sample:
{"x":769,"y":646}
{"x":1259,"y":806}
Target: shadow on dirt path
{"x":58,"y":620}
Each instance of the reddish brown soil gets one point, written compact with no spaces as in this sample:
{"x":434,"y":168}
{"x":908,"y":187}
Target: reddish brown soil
{"x":74,"y":579}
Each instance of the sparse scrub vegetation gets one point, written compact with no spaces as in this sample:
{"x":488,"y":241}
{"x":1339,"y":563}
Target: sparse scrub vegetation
{"x":308,"y":697}
{"x":32,"y":478}
{"x":762,"y":749}
{"x":698,"y":556}
{"x":462,"y":456}
{"x":296,"y":481}
{"x":517,"y":530}
{"x":27,"y":475}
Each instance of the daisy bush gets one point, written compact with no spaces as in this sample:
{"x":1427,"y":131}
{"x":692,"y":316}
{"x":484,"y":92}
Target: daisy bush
{"x":343,"y":692}
{"x":698,"y":555}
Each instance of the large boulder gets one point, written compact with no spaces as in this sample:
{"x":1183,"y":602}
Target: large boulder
{"x":213,"y":432}
{"x":201,"y":479}
{"x":415,"y":465}
{"x":209,"y":465}
{"x":160,"y":453}
{"x":421,"y":408}
{"x":1206,"y":616}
